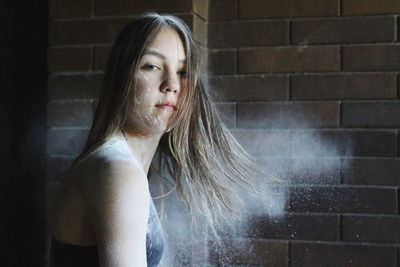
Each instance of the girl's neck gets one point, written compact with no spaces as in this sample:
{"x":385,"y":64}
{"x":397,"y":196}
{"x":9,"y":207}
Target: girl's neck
{"x":142,"y":147}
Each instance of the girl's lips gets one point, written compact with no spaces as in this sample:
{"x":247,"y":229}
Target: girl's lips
{"x":166,"y":106}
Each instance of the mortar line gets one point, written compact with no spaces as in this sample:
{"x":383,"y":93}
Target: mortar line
{"x":93,"y":8}
{"x":340,"y":227}
{"x":397,"y":81}
{"x":397,"y":201}
{"x":237,"y":10}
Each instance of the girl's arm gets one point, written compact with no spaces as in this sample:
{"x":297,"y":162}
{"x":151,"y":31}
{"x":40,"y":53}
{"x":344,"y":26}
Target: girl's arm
{"x":118,"y":200}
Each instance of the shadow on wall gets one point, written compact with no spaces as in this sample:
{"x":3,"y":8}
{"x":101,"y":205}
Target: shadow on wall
{"x":27,"y":110}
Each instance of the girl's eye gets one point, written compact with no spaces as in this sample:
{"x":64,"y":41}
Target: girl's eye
{"x":150,"y":67}
{"x":182,"y":73}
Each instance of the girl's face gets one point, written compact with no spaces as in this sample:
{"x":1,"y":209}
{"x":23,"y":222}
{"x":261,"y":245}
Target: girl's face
{"x":159,"y":81}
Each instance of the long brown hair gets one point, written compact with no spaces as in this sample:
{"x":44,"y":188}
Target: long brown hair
{"x":203,"y":157}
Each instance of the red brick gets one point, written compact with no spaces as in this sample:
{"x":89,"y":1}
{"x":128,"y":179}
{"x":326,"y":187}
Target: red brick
{"x":75,"y":113}
{"x":334,"y":143}
{"x":70,"y":59}
{"x":367,"y":7}
{"x":222,"y":10}
{"x":296,"y":226}
{"x":243,"y":34}
{"x":343,"y":30}
{"x":380,"y":229}
{"x":127,"y":7}
{"x":92,"y":31}
{"x":288,"y":59}
{"x":200,"y":28}
{"x":367,"y":200}
{"x":250,"y":88}
{"x":377,"y":114}
{"x":222,"y":61}
{"x":199,"y":31}
{"x":303,"y":170}
{"x":201,"y":8}
{"x":371,"y":171}
{"x":227,"y":113}
{"x":260,"y":142}
{"x":66,"y":142}
{"x":250,"y":252}
{"x":288,"y":115}
{"x":371,"y":58}
{"x":253,"y":9}
{"x":342,"y":254}
{"x":70,"y":9}
{"x":343,"y":86}
{"x":81,"y":86}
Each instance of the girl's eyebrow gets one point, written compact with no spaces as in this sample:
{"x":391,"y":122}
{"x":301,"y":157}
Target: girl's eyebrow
{"x":153,"y":52}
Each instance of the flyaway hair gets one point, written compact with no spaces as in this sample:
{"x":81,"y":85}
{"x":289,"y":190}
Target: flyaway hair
{"x":205,"y":161}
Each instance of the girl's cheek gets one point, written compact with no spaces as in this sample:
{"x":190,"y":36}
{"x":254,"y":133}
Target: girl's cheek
{"x":143,"y":93}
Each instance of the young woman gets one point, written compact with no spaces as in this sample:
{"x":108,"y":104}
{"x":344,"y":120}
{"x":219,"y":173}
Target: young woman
{"x":153,"y":102}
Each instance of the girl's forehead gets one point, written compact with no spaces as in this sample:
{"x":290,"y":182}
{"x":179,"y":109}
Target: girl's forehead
{"x":167,"y":44}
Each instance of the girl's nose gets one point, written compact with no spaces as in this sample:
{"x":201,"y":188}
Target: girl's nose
{"x":170,"y":84}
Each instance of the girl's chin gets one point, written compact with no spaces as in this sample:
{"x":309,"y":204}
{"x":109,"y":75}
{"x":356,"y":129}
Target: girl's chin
{"x":159,"y":129}
{"x":147,"y":129}
{"x":153,"y":124}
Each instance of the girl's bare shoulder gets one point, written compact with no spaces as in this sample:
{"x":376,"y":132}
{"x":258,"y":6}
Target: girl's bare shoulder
{"x":111,"y":168}
{"x":115,"y":178}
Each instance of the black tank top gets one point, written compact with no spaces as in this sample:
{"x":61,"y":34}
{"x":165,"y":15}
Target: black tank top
{"x":68,"y":255}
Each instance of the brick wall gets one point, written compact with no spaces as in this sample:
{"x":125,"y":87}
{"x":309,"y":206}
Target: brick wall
{"x":281,"y":72}
{"x":284,"y":69}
